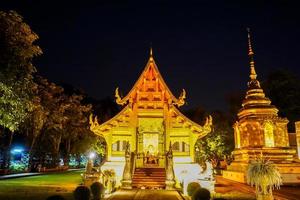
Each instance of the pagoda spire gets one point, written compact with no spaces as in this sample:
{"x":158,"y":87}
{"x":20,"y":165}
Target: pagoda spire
{"x":255,"y":102}
{"x":253,"y":74}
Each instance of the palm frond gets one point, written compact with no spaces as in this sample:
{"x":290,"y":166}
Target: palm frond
{"x":264,"y":175}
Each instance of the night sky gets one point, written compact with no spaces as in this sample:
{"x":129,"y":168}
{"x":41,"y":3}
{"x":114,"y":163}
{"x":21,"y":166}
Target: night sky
{"x":201,"y":47}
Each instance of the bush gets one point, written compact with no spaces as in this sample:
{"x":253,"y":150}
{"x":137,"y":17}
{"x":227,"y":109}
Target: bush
{"x":97,"y":190}
{"x":201,"y":194}
{"x":192,"y":187}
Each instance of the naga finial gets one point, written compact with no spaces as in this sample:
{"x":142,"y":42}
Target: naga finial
{"x":91,"y":120}
{"x":208,"y":121}
{"x":181,"y":99}
{"x":118,"y":98}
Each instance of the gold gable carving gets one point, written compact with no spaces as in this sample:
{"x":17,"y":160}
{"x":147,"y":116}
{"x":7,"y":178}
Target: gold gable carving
{"x":151,"y":125}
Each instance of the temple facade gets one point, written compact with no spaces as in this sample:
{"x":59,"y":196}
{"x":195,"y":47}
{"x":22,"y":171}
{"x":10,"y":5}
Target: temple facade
{"x":150,"y":124}
{"x":260,"y":131}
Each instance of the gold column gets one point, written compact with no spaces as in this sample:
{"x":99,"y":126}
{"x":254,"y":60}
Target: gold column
{"x":297,"y":125}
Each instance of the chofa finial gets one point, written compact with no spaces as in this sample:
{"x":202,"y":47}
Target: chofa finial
{"x":151,"y":53}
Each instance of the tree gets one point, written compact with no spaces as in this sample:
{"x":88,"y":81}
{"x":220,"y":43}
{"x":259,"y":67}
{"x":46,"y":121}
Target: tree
{"x":218,"y":144}
{"x":87,"y":142}
{"x":265,"y":176}
{"x":76,"y":123}
{"x":12,"y":110}
{"x":12,"y":114}
{"x":48,"y":116}
{"x":283,"y":88}
{"x":55,"y":102}
{"x":105,"y":108}
{"x":234,"y":100}
{"x":17,"y":50}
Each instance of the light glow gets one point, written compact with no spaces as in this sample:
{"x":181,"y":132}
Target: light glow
{"x":17,"y":150}
{"x":92,"y":155}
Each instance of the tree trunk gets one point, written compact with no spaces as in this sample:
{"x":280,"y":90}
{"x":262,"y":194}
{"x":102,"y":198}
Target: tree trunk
{"x":78,"y":160}
{"x":31,"y":153}
{"x":7,"y":157}
{"x":67,"y":155}
{"x":55,"y":160}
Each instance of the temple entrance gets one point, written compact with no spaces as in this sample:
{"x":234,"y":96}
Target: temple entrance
{"x":151,"y":150}
{"x":151,"y":143}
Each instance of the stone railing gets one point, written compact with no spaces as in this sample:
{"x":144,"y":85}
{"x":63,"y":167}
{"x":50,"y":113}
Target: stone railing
{"x":170,"y":176}
{"x":127,"y":173}
{"x":133,"y":163}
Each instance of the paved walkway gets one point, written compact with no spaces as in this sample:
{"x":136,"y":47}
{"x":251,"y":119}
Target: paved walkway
{"x":9,"y":176}
{"x":284,"y":193}
{"x":145,"y":195}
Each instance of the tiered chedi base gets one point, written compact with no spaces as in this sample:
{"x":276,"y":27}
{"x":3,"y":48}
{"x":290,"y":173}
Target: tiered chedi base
{"x":282,"y":157}
{"x":149,"y":178}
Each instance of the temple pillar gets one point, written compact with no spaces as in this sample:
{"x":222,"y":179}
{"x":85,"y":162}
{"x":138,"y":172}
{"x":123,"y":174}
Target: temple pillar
{"x":297,"y":126}
{"x":108,"y":146}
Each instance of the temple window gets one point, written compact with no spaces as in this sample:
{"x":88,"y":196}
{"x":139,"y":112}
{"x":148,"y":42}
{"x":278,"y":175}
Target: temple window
{"x":119,"y":145}
{"x":269,"y":135}
{"x":180,"y":147}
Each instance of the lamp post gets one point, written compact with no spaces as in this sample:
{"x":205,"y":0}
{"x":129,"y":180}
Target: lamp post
{"x":90,"y":162}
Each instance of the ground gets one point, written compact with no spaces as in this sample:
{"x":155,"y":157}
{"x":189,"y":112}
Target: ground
{"x":41,"y":186}
{"x":171,"y":195}
{"x":145,"y":195}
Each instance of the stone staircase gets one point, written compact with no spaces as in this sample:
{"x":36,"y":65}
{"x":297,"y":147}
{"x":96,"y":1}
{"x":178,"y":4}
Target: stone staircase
{"x":149,"y":178}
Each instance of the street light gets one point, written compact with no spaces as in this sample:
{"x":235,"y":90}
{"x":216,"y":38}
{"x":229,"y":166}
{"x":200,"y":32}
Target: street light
{"x":92,"y":155}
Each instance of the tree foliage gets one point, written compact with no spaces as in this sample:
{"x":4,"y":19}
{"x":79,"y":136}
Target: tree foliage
{"x":283,"y":88}
{"x":218,"y":144}
{"x":17,"y":50}
{"x":12,"y":109}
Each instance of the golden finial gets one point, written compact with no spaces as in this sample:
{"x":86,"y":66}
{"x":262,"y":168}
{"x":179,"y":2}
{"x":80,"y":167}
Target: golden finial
{"x":151,"y":54}
{"x":253,"y":74}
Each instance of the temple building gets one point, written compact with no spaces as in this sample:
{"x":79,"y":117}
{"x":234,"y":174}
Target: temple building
{"x":260,"y":131}
{"x":150,"y":125}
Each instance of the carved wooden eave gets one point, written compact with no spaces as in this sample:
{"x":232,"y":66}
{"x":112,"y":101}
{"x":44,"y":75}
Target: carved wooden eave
{"x":150,"y":70}
{"x":201,"y":131}
{"x":119,"y":120}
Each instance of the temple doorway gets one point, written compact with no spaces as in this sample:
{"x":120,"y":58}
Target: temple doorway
{"x":151,"y":143}
{"x":151,"y":149}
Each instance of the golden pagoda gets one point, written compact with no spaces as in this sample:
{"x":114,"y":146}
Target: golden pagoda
{"x":150,"y":121}
{"x":260,"y":131}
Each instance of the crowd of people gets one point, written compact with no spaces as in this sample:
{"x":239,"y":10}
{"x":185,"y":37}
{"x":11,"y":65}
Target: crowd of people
{"x":95,"y":192}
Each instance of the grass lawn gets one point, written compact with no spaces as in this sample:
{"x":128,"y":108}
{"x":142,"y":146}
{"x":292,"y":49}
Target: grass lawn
{"x":40,"y":187}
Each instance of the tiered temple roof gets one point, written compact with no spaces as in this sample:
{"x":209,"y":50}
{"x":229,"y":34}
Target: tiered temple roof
{"x":150,"y":92}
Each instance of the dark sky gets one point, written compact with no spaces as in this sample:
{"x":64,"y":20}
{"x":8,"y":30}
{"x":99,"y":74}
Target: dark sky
{"x":198,"y":45}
